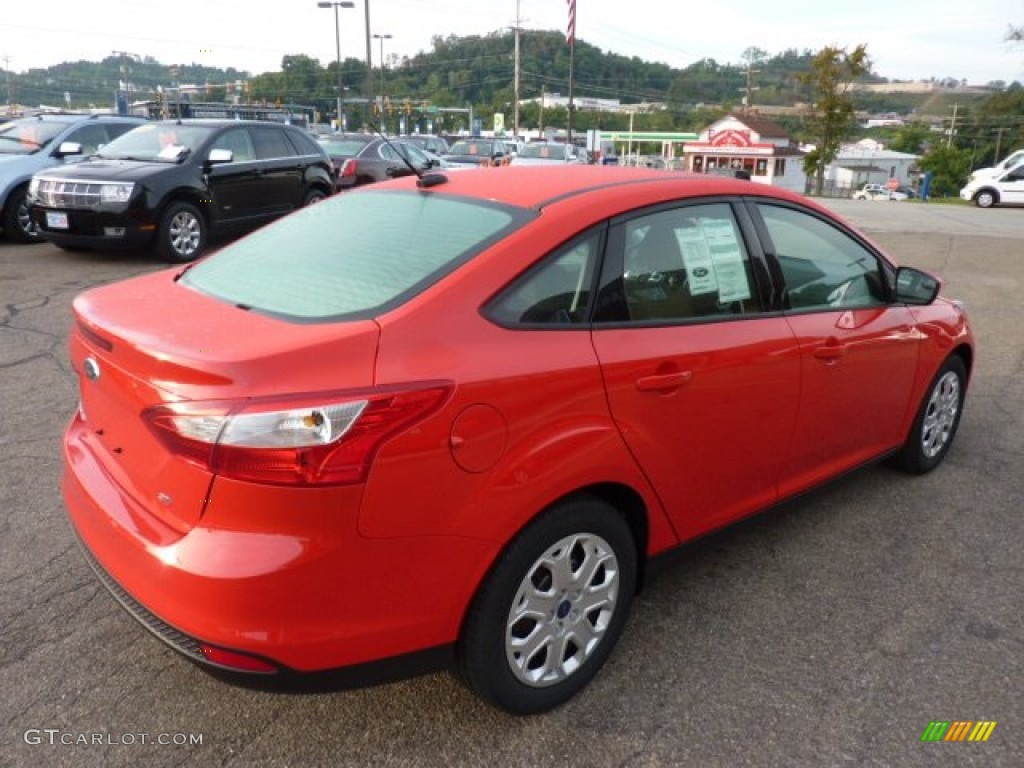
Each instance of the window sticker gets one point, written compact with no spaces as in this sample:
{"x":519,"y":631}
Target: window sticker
{"x":700,"y":270}
{"x":727,"y":258}
{"x":714,"y":260}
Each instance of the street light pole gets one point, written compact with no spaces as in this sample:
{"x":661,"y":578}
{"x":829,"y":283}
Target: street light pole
{"x":382,"y":38}
{"x":336,"y":4}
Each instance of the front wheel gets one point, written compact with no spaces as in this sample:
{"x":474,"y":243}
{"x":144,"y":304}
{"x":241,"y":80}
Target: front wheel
{"x":552,"y":609}
{"x":17,"y":223}
{"x":182,"y":233}
{"x":937,"y":420}
{"x":985,"y":199}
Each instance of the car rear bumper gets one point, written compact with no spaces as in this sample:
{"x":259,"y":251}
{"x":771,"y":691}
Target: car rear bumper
{"x":307,"y":596}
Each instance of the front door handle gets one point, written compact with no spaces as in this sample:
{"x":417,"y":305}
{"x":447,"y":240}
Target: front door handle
{"x":664,"y":382}
{"x":831,"y":353}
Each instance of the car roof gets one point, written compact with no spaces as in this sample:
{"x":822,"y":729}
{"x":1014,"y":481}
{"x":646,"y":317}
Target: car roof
{"x":219,"y":122}
{"x":541,"y":185}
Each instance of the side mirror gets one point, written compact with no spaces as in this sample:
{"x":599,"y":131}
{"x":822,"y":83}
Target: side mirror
{"x":916,"y":287}
{"x":67,"y":148}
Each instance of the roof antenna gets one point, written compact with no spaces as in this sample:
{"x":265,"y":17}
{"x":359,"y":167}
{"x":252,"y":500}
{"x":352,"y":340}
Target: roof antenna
{"x":423,"y":180}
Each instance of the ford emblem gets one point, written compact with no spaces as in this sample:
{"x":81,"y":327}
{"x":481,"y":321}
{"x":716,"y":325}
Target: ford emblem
{"x":92,"y":369}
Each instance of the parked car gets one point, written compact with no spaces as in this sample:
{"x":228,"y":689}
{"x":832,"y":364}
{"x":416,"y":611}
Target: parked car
{"x":909,"y":191}
{"x":32,"y":144}
{"x":548,"y":153}
{"x":478,"y":152}
{"x":459,"y":416}
{"x":435,"y":144}
{"x":174,"y":184}
{"x":362,"y":158}
{"x":878,"y":192}
{"x":986,"y":191}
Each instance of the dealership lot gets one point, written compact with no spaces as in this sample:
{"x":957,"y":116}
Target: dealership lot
{"x":831,"y":631}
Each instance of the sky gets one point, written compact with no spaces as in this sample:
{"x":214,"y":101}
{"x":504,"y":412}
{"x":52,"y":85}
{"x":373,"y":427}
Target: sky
{"x":906,"y":39}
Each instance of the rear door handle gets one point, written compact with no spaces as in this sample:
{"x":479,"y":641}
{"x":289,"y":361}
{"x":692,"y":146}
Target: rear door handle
{"x":664,"y":382}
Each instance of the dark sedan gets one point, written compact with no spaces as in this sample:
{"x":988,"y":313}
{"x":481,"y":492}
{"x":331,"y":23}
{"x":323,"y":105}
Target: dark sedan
{"x":361,"y":158}
{"x":477,"y":152}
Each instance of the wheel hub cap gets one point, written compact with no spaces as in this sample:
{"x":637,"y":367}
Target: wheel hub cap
{"x":562,"y":609}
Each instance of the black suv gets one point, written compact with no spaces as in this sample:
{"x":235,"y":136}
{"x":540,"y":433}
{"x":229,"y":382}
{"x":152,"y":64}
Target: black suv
{"x":172,"y":184}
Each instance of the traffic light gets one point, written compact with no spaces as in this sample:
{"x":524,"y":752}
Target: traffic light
{"x":408,"y":107}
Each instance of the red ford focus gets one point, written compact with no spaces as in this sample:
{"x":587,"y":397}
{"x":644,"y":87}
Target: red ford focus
{"x":454,"y":420}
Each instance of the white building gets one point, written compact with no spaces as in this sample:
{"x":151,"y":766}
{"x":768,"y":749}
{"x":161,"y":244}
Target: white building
{"x":750,"y":143}
{"x":868,"y":161}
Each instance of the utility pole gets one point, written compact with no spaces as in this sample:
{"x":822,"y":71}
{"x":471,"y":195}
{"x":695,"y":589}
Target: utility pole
{"x":952,"y":129}
{"x":515,"y":82}
{"x":999,"y":142}
{"x":748,"y":91}
{"x":10,"y":88}
{"x":369,"y":61}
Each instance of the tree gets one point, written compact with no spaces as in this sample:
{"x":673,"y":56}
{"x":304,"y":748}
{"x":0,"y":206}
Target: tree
{"x":833,"y":71}
{"x":949,"y":167}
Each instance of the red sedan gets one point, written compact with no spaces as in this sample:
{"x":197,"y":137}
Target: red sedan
{"x":453,"y":420}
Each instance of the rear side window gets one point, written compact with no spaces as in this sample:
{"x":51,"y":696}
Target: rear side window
{"x":680,"y":264}
{"x":304,"y":144}
{"x":271,"y":143}
{"x":352,"y":256}
{"x":557,"y":292}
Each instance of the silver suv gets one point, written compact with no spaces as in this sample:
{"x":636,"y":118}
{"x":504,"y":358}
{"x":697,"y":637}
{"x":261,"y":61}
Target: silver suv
{"x":31,"y":144}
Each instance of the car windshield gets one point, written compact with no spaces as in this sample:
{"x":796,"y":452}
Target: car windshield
{"x":353,"y":256}
{"x":158,"y":142}
{"x":24,"y":137}
{"x":549,"y":151}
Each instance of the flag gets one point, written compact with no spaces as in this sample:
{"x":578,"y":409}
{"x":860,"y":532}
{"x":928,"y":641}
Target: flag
{"x":570,"y":31}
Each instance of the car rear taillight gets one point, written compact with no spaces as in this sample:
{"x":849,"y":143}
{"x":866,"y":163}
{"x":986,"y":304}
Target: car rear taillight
{"x":349,"y":168}
{"x":314,"y":439}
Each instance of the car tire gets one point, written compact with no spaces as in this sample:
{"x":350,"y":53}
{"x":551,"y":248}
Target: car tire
{"x":313,"y":197}
{"x":565,"y":582}
{"x":937,"y":420}
{"x":182,"y":234}
{"x":17,"y":224}
{"x":986,"y":198}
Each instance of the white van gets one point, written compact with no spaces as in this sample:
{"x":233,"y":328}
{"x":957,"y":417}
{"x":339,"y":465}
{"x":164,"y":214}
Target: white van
{"x":986,"y":192}
{"x":1009,"y":162}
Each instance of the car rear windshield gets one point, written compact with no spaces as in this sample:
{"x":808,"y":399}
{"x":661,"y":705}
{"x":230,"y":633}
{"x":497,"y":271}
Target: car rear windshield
{"x":353,"y":256}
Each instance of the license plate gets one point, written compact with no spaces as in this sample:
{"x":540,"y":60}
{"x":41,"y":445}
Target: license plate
{"x":56,"y":220}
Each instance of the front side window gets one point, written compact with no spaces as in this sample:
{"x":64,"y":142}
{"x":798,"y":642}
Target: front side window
{"x":823,"y":266}
{"x":238,"y":142}
{"x":681,"y":264}
{"x":557,"y":292}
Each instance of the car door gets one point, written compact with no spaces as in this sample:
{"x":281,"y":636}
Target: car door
{"x":280,"y":171}
{"x":858,"y":349}
{"x":236,"y":188}
{"x":702,"y":381}
{"x":1011,"y":187}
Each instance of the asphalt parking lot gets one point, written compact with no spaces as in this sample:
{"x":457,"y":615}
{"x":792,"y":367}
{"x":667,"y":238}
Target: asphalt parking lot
{"x":830,"y":632}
